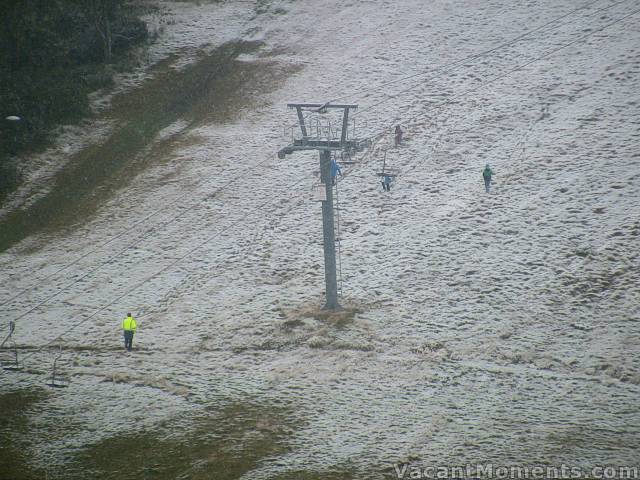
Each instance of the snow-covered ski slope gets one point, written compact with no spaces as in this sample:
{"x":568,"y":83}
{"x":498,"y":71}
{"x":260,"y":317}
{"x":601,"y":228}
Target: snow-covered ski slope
{"x":499,"y":327}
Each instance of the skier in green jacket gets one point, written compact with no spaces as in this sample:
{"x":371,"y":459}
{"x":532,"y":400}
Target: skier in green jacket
{"x":486,"y":174}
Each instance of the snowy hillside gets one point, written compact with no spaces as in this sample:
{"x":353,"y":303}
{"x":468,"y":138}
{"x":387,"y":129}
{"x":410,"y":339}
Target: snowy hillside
{"x":488,"y":328}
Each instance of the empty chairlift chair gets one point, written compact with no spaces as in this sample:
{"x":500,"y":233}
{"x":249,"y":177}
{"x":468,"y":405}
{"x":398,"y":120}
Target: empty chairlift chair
{"x":9,"y":351}
{"x":57,"y":379}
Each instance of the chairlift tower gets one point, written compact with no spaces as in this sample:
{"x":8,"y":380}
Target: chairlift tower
{"x":318,"y":133}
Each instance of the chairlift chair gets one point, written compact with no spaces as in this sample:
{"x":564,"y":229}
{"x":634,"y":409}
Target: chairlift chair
{"x":9,"y":355}
{"x":387,"y":171}
{"x":57,"y":380}
{"x":9,"y":359}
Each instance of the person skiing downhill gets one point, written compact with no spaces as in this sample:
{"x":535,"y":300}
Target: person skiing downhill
{"x":487,"y":173}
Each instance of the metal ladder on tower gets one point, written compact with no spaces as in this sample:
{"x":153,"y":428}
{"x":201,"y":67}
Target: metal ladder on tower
{"x":336,"y":209}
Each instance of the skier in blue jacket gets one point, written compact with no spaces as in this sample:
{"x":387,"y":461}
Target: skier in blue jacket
{"x":335,"y":170}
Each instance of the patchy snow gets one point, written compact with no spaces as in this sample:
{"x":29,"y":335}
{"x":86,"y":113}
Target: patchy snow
{"x":186,"y":31}
{"x":38,"y":169}
{"x":496,"y":328}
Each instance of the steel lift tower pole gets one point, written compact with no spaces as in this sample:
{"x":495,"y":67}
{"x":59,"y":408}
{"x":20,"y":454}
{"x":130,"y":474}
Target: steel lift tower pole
{"x":328,"y":233}
{"x":325,"y":139}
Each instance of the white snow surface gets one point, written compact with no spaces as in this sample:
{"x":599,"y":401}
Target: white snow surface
{"x":499,"y":327}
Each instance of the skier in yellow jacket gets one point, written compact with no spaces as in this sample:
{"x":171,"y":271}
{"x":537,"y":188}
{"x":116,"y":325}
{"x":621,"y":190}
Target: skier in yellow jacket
{"x":129,"y":326}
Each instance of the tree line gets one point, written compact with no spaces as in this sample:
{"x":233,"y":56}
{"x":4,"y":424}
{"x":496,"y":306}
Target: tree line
{"x":53,"y":53}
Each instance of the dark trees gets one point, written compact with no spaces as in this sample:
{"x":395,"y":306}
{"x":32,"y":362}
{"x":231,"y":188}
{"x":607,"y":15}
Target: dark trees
{"x":101,"y":15}
{"x":52,"y":54}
